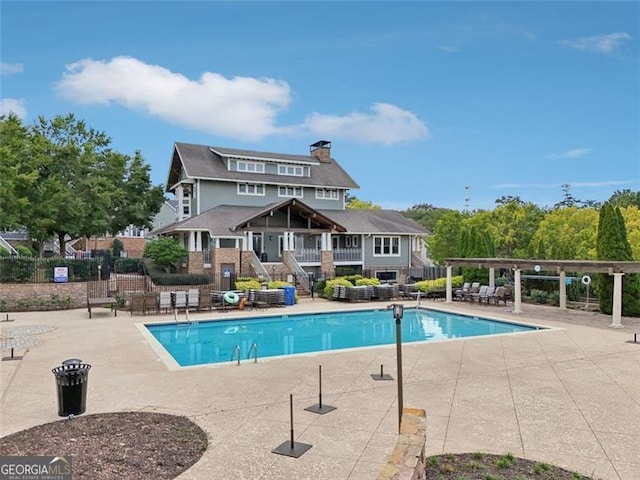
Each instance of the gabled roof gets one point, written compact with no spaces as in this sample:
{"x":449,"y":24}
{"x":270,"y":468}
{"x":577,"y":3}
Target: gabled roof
{"x":204,"y":162}
{"x":231,"y":220}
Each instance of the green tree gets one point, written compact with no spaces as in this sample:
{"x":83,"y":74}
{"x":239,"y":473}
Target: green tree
{"x":17,"y":176}
{"x":426,"y":215}
{"x":80,"y":186}
{"x":566,"y":234}
{"x":165,"y":253}
{"x":631,"y":216}
{"x":355,"y":203}
{"x":446,"y":240}
{"x":625,"y":198}
{"x":515,"y":225}
{"x":612,"y":244}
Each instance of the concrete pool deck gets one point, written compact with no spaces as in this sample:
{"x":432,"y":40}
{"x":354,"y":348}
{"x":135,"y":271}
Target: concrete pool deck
{"x":569,"y":396}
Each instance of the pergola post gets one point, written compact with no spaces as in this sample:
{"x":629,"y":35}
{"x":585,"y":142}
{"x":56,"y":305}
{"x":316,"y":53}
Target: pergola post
{"x":616,"y":314}
{"x":449,"y":286}
{"x":563,"y":289}
{"x":492,"y":277}
{"x":517,"y":298}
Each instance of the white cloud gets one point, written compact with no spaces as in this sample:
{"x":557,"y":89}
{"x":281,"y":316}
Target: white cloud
{"x":240,"y":107}
{"x":13,"y":105}
{"x":449,"y":48}
{"x":598,"y":43}
{"x":10,"y":68}
{"x":574,"y":153}
{"x":604,"y":183}
{"x":387,"y":125}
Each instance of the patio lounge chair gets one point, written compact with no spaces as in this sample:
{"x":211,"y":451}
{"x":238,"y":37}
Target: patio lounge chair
{"x":193,"y":299}
{"x":151,"y":302}
{"x":181,"y":300}
{"x":204,"y":302}
{"x":164,"y":303}
{"x":136,"y":304}
{"x":460,"y":292}
{"x":488,"y":293}
{"x":473,"y":290}
{"x":499,"y":296}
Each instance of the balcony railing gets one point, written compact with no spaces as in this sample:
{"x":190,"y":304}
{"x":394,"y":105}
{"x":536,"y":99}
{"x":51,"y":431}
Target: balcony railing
{"x":311,"y":255}
{"x":307,"y":255}
{"x":347,"y":254}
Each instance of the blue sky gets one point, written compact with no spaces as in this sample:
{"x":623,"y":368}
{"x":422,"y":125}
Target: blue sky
{"x":424,"y":102}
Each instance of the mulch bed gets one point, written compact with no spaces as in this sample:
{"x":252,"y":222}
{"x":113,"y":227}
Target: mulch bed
{"x":126,"y":445}
{"x":483,"y":466}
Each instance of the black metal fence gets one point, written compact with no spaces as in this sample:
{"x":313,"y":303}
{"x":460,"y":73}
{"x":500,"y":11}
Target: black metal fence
{"x":18,"y":269}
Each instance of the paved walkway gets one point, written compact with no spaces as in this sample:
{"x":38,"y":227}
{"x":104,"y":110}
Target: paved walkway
{"x":569,"y":395}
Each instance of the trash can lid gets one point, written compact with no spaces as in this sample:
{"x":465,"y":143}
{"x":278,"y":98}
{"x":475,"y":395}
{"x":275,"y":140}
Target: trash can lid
{"x":72,"y":361}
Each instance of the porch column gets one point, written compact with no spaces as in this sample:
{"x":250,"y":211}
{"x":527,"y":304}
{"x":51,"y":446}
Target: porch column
{"x":449,"y":286}
{"x":199,"y":241}
{"x":563,"y":289}
{"x":616,"y":314}
{"x":323,"y":241}
{"x":249,"y":236}
{"x":492,"y":277}
{"x":192,"y":241}
{"x":517,"y":296}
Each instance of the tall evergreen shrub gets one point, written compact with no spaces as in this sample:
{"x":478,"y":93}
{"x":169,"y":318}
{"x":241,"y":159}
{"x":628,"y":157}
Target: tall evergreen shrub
{"x":612,"y":244}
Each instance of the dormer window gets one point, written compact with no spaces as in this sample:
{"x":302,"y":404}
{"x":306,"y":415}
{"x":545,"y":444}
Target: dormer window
{"x":250,"y":167}
{"x":291,"y":170}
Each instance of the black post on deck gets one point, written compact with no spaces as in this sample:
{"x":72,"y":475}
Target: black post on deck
{"x":291,"y":448}
{"x":319,"y":408}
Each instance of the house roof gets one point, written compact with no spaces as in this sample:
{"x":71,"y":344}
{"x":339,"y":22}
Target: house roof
{"x":375,"y":221}
{"x":230,"y":220}
{"x":201,"y":161}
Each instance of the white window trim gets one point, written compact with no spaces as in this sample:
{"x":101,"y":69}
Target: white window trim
{"x":390,"y":254}
{"x":298,"y":171}
{"x":285,"y":187}
{"x":321,"y":194}
{"x":256,"y":185}
{"x":243,"y":166}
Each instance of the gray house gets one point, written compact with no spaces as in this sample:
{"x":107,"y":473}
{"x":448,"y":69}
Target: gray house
{"x":266,"y":214}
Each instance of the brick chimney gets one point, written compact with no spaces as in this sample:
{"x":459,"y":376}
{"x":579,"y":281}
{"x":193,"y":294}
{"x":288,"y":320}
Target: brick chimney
{"x":321,"y":150}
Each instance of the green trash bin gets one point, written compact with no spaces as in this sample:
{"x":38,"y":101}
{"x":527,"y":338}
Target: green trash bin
{"x":71,"y":382}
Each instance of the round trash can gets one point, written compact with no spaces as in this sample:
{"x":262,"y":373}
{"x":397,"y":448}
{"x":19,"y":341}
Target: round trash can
{"x":71,"y":382}
{"x":289,"y":295}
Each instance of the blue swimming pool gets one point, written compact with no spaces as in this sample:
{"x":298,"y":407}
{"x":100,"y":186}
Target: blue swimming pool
{"x":214,"y":341}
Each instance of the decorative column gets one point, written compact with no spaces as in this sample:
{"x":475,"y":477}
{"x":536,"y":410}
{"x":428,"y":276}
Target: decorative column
{"x":192,"y":241}
{"x":563,"y":289}
{"x":517,"y":300}
{"x":492,"y":277}
{"x":449,"y":286}
{"x":616,"y":314}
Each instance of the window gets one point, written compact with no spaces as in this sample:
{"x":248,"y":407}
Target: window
{"x":351,"y":241}
{"x":327,"y":193}
{"x":386,"y":246}
{"x":251,"y":167}
{"x":290,"y":191}
{"x":250,"y":189}
{"x":290,"y":170}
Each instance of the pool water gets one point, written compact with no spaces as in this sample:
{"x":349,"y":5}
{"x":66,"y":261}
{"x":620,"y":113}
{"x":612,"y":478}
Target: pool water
{"x":214,"y":341}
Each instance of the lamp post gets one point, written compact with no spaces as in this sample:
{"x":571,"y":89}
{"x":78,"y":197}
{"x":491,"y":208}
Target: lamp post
{"x":99,"y":272}
{"x":397,"y":314}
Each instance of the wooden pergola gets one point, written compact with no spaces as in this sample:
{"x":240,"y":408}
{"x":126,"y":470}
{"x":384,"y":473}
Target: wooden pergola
{"x":614,"y":268}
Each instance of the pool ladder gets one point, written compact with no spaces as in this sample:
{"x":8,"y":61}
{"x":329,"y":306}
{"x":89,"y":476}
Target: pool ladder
{"x":252,"y":348}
